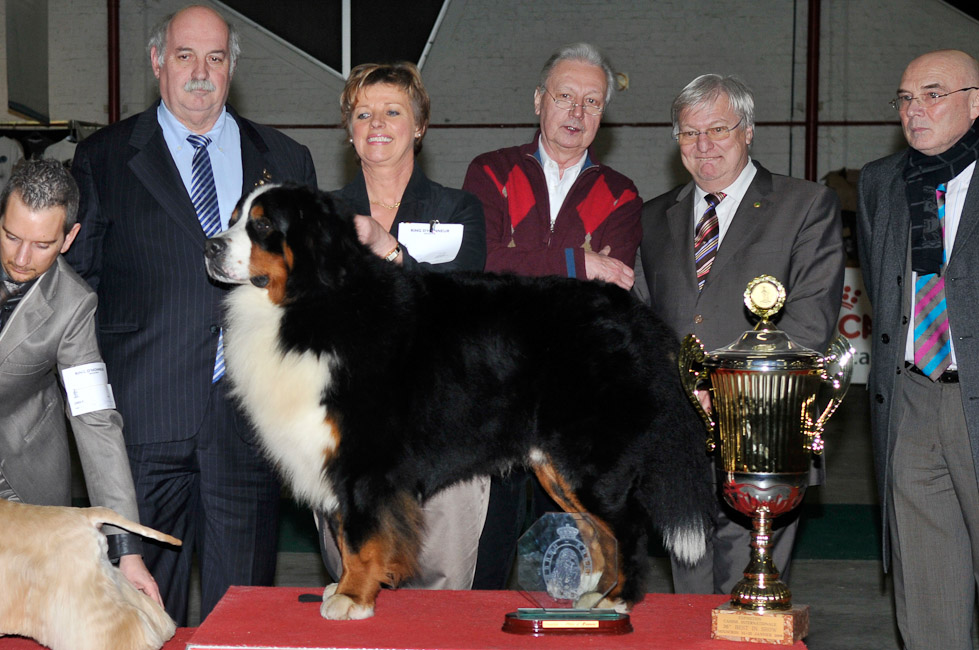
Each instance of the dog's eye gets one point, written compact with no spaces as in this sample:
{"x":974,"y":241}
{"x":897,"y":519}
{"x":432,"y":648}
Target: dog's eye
{"x":261,"y":226}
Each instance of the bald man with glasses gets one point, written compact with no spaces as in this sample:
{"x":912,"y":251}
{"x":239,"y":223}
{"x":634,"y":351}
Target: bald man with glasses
{"x":704,"y":241}
{"x":917,"y":212}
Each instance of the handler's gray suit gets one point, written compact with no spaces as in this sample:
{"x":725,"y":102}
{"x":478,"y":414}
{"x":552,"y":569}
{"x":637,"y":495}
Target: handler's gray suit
{"x":883,"y":226}
{"x":784,"y":227}
{"x":53,"y":328}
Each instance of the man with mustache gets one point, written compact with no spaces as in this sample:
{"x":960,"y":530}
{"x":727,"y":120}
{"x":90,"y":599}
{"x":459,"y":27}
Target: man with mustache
{"x":153,"y":188}
{"x":552,"y":209}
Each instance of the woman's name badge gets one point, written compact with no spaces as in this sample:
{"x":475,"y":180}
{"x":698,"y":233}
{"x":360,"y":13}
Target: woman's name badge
{"x":434,"y":242}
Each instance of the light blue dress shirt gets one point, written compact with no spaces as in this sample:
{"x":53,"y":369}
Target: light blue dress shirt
{"x":224,"y":150}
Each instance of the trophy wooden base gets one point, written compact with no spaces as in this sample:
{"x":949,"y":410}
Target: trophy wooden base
{"x":782,"y":628}
{"x":547,"y":622}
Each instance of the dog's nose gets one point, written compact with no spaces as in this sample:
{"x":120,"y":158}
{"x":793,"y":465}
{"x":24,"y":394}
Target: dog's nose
{"x":214,"y":248}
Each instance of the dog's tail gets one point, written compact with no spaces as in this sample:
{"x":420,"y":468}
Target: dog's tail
{"x":98,"y":516}
{"x":677,"y":489}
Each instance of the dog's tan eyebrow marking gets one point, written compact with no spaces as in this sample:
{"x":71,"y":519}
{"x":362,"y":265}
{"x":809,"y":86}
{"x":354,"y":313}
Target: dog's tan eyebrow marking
{"x":257,"y":211}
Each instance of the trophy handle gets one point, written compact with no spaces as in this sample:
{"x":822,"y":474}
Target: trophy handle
{"x":692,"y":354}
{"x":837,"y":369}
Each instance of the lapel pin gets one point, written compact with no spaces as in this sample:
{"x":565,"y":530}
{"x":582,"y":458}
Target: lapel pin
{"x":757,"y":204}
{"x":266,"y":178}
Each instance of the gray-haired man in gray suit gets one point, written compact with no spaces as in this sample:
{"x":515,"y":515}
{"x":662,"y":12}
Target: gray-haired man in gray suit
{"x":696,"y":268}
{"x":917,"y":222}
{"x":47,"y":334}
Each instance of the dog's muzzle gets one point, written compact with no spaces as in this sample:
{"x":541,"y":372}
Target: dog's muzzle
{"x":214,"y":248}
{"x":222,"y":263}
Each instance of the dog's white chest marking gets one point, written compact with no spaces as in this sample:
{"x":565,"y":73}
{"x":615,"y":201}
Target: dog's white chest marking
{"x":282,"y":392}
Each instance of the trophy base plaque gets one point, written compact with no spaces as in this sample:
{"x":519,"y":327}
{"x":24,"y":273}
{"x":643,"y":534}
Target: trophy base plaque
{"x":778,"y":627}
{"x":538,"y":621}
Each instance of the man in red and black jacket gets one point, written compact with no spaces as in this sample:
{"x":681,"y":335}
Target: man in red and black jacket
{"x":551,"y":209}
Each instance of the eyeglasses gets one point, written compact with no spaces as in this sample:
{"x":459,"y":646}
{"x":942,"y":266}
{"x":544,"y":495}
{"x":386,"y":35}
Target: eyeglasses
{"x":588,"y":105}
{"x":902,"y":102}
{"x":714,"y":133}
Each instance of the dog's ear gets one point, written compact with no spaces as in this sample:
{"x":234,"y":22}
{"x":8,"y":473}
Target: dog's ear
{"x":325,"y":238}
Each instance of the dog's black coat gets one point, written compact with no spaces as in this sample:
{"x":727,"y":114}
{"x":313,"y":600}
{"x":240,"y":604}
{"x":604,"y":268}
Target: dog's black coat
{"x":436,"y":378}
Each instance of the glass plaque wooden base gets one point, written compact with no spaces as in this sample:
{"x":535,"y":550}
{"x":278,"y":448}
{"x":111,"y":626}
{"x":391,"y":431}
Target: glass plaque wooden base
{"x":545,"y":622}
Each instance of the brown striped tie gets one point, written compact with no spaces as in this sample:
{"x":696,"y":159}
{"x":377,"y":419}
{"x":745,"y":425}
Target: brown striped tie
{"x":705,"y":239}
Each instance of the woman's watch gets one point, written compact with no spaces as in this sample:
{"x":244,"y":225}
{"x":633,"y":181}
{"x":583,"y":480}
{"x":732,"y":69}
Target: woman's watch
{"x":393,"y":255}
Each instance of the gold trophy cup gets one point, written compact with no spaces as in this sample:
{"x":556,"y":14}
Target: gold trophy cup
{"x":765,"y":390}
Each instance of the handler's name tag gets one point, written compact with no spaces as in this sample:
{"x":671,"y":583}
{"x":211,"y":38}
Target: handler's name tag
{"x":87,"y":388}
{"x":435,"y":243}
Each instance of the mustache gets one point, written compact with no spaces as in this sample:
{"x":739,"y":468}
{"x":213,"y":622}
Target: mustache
{"x":199,"y":84}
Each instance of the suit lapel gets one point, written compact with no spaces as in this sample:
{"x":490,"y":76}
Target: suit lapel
{"x":894,"y":229}
{"x":679,"y":218}
{"x":970,"y":214}
{"x":754,"y":211}
{"x":256,"y":169}
{"x":32,"y":312}
{"x":153,"y":166}
{"x":415,"y":201}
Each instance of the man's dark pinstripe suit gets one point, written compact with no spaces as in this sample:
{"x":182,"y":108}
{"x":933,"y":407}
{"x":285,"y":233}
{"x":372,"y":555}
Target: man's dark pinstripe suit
{"x":198,"y":474}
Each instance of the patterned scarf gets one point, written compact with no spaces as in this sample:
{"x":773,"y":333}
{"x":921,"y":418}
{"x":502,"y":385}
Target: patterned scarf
{"x":922,"y":175}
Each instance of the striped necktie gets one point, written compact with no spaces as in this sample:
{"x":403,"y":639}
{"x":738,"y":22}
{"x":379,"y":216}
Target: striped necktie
{"x":932,"y":343}
{"x":705,"y":239}
{"x":204,"y":196}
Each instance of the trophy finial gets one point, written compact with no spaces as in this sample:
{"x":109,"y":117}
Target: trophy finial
{"x":764,"y":297}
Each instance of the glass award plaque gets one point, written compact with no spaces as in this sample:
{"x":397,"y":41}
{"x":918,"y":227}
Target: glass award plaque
{"x":566,"y":566}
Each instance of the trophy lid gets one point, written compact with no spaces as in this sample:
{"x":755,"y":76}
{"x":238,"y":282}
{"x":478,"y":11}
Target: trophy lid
{"x":765,"y":347}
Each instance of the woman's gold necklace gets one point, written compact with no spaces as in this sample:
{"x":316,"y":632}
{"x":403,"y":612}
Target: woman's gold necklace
{"x":385,"y":205}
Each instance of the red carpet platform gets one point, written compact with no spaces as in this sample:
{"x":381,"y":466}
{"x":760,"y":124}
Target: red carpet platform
{"x":273,"y":618}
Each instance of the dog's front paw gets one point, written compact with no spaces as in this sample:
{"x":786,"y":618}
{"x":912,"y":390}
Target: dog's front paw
{"x":617,"y":604}
{"x":588,"y":600}
{"x":595,"y":600}
{"x":339,"y":607}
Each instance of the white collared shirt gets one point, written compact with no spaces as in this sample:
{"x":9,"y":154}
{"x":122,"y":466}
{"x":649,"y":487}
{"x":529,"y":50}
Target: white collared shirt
{"x":558,"y":185}
{"x":224,"y":151}
{"x":955,"y":191}
{"x":727,"y":208}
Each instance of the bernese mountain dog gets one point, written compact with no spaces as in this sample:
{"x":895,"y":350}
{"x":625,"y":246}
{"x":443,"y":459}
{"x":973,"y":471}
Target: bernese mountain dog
{"x":372,"y":388}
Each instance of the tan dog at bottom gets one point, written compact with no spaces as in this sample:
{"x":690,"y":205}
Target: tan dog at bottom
{"x":58,"y":587}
